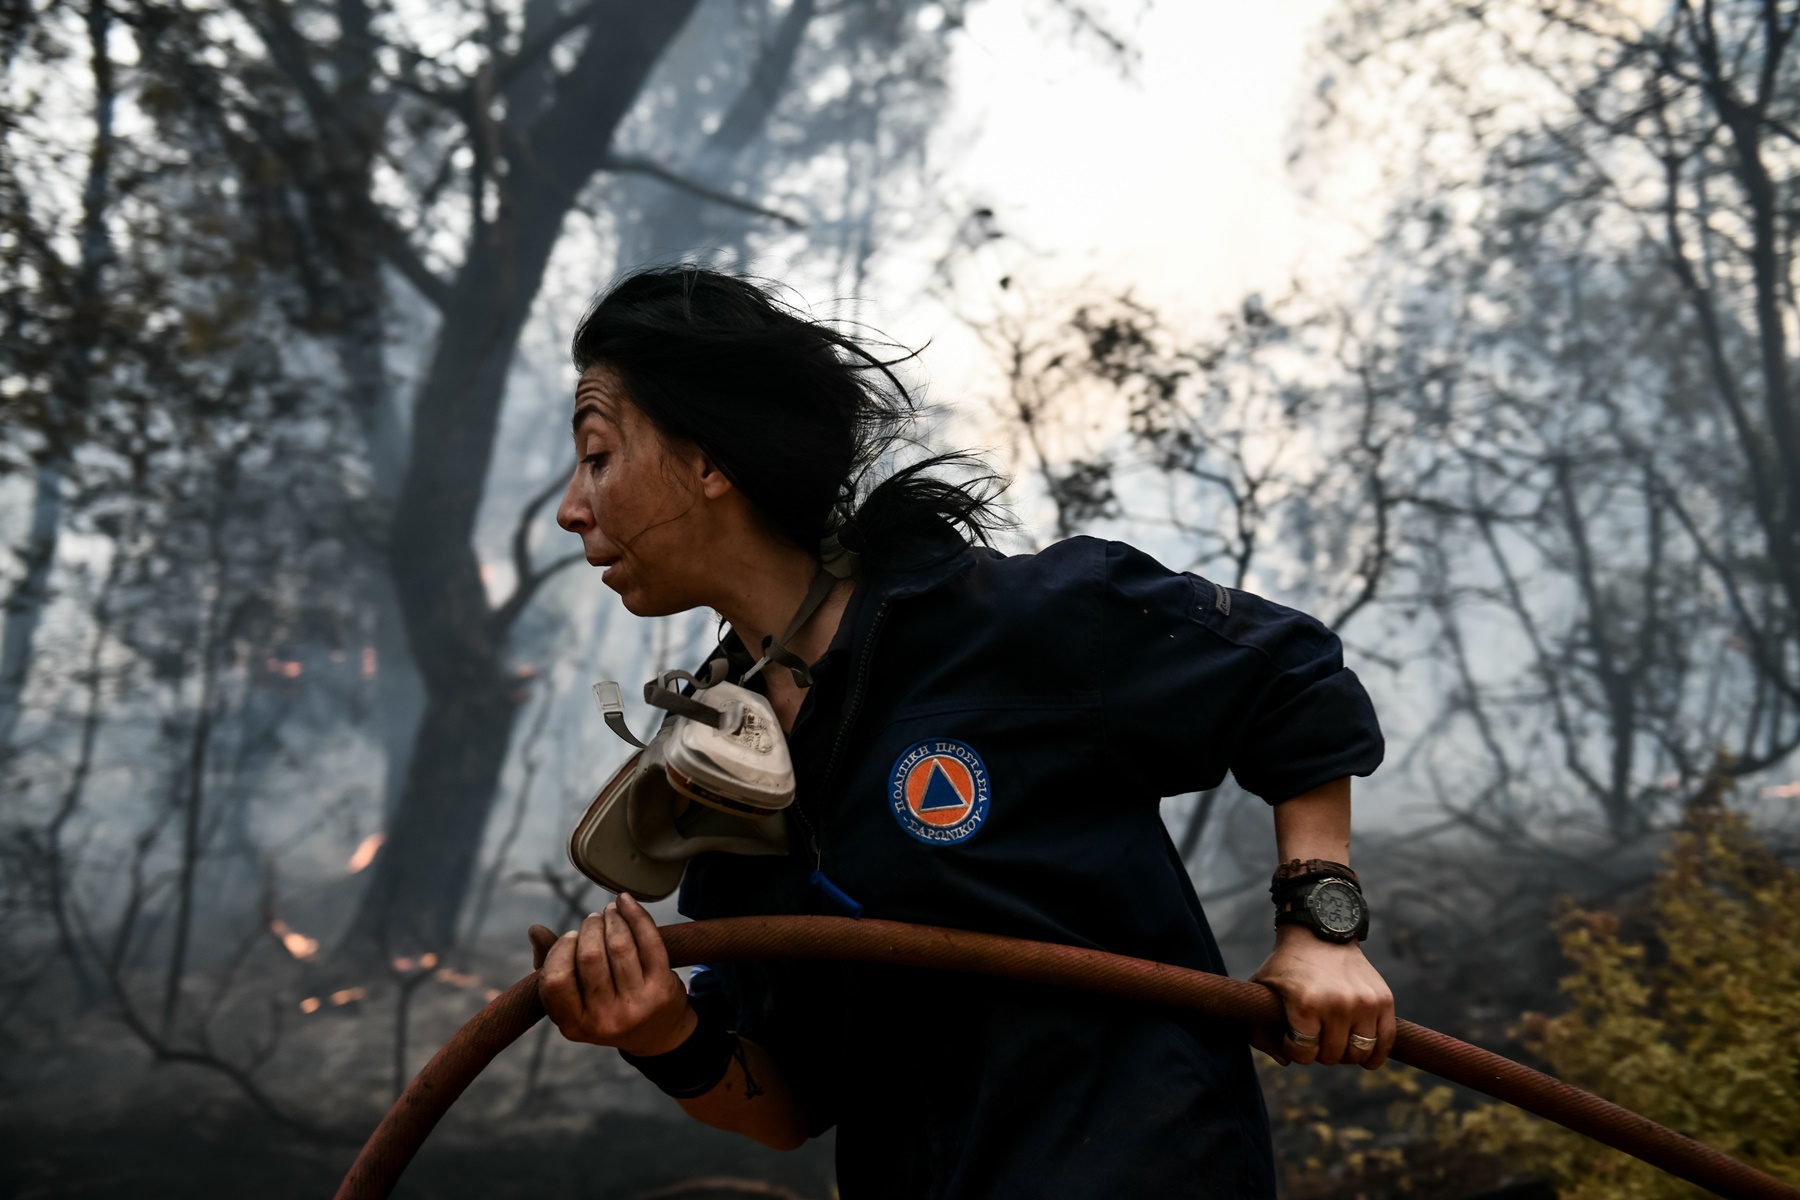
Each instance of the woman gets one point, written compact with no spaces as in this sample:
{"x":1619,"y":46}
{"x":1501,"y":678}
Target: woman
{"x":982,"y":743}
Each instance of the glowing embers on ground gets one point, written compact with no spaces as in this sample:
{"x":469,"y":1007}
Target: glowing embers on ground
{"x":408,"y":969}
{"x":365,"y":852}
{"x":338,"y":999}
{"x":296,"y":944}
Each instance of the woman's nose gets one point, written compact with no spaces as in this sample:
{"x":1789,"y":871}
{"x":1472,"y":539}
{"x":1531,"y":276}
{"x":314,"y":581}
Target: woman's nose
{"x":574,"y":514}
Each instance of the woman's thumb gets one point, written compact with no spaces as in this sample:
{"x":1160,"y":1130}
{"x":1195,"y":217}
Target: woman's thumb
{"x":541,"y":941}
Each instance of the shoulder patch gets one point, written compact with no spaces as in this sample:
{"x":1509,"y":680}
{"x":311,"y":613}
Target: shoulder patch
{"x":938,"y":791}
{"x":1220,"y":595}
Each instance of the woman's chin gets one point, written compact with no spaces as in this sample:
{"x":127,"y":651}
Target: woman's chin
{"x":640,"y":603}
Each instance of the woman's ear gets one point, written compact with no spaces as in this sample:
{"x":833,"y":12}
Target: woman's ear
{"x":713,"y":483}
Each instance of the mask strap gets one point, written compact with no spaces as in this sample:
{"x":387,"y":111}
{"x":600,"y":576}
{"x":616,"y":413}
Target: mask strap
{"x":612,"y":707}
{"x":661,"y":694}
{"x":835,"y":563}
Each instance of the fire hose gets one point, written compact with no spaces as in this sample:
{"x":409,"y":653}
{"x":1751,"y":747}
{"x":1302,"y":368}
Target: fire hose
{"x":392,"y":1146}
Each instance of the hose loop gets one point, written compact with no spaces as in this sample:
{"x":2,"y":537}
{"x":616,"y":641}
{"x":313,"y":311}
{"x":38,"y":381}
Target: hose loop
{"x":392,"y":1146}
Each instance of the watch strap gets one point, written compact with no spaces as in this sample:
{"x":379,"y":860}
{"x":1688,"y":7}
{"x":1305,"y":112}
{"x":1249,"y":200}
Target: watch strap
{"x":1296,"y":871}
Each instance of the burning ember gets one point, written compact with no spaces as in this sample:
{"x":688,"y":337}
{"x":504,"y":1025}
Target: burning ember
{"x":313,"y":1004}
{"x":1782,"y":791}
{"x":366,"y":851}
{"x":297,"y":944}
{"x":286,"y":668}
{"x":457,"y":979}
{"x":368,"y":662}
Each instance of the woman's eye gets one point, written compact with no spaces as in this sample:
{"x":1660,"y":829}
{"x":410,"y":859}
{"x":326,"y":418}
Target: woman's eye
{"x":594,"y":461}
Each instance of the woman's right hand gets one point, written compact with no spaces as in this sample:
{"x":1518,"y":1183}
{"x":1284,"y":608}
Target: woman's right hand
{"x":609,"y":982}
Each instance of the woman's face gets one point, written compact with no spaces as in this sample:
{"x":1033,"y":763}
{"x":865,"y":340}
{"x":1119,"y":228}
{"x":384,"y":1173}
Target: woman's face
{"x":638,"y":502}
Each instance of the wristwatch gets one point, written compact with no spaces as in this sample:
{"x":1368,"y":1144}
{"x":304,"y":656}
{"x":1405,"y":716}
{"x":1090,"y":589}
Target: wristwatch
{"x":1331,"y":906}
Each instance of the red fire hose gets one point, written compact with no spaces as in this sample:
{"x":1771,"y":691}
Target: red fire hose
{"x":503,"y":1022}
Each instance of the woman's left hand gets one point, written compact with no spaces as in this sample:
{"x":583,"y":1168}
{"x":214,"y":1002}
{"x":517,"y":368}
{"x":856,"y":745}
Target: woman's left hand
{"x":1330,"y":991}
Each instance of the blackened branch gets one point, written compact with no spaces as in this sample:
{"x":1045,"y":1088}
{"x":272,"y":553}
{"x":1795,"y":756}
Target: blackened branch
{"x":631,"y":165}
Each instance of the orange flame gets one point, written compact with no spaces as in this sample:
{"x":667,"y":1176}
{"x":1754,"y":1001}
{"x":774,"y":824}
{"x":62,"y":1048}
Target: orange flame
{"x":366,"y":851}
{"x":348,"y":995}
{"x":457,"y":979}
{"x":404,"y":965}
{"x":298,"y":944}
{"x":310,"y":1005}
{"x":428,"y":960}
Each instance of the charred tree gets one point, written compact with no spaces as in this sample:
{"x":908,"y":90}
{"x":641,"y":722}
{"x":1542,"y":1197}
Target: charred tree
{"x":457,"y":639}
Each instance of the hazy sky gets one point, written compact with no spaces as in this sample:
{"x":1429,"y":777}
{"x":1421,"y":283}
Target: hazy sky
{"x":1174,"y":181}
{"x":1176,"y":178}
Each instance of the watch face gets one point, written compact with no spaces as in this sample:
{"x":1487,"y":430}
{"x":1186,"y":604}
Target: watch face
{"x":1336,"y":906}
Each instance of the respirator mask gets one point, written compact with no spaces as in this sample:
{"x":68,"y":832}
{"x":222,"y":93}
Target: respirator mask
{"x":716,"y":775}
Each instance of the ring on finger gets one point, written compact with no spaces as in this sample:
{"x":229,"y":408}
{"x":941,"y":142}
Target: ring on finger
{"x":1302,"y":1039}
{"x":1360,"y":1042}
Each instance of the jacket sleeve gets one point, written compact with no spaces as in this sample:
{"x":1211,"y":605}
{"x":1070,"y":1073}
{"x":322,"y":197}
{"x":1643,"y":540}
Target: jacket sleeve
{"x":1198,"y":679}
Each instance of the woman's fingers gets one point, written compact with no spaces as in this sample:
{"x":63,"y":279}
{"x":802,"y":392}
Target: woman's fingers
{"x":1334,"y":1039}
{"x":651,"y":952}
{"x":591,"y":963}
{"x":1386,"y":1029}
{"x":622,"y":952}
{"x":557,"y":986}
{"x":1305,"y":1035}
{"x":1271,"y":1042}
{"x":1369,"y":1031}
{"x":609,"y":981}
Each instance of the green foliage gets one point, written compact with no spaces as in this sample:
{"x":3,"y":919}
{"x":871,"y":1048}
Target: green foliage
{"x":1697,"y":1026}
{"x":1687,"y":1011}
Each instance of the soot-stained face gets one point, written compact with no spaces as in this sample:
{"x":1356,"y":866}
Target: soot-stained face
{"x":637,"y":501}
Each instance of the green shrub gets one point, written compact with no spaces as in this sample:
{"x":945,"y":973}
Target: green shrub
{"x":1695,"y":1023}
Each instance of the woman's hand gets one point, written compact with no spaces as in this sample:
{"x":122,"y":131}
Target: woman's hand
{"x":609,"y":982}
{"x":1329,"y":990}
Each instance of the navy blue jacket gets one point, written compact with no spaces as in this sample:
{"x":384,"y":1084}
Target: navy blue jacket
{"x":984,"y":747}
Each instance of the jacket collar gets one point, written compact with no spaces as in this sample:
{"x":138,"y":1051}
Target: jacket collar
{"x":931,"y":564}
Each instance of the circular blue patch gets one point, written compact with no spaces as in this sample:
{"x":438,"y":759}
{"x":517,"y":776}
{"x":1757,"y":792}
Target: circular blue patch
{"x":939,"y":791}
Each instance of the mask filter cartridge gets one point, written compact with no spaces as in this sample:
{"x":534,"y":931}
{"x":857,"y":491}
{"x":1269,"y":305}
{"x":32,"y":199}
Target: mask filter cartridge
{"x":715,"y":777}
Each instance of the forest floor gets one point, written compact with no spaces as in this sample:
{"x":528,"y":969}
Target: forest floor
{"x":87,"y":1110}
{"x":615,"y":1156}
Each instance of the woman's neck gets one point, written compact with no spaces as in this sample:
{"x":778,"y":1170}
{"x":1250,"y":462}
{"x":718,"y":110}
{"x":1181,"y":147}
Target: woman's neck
{"x":762,"y":587}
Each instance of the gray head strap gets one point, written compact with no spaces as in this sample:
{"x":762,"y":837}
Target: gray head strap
{"x":835,"y":563}
{"x":660,"y":693}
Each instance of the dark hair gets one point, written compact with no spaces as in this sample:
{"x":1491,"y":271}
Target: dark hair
{"x":798,"y":415}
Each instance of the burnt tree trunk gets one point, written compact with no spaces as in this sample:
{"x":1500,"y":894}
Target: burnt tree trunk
{"x":67,"y":399}
{"x":457,"y":640}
